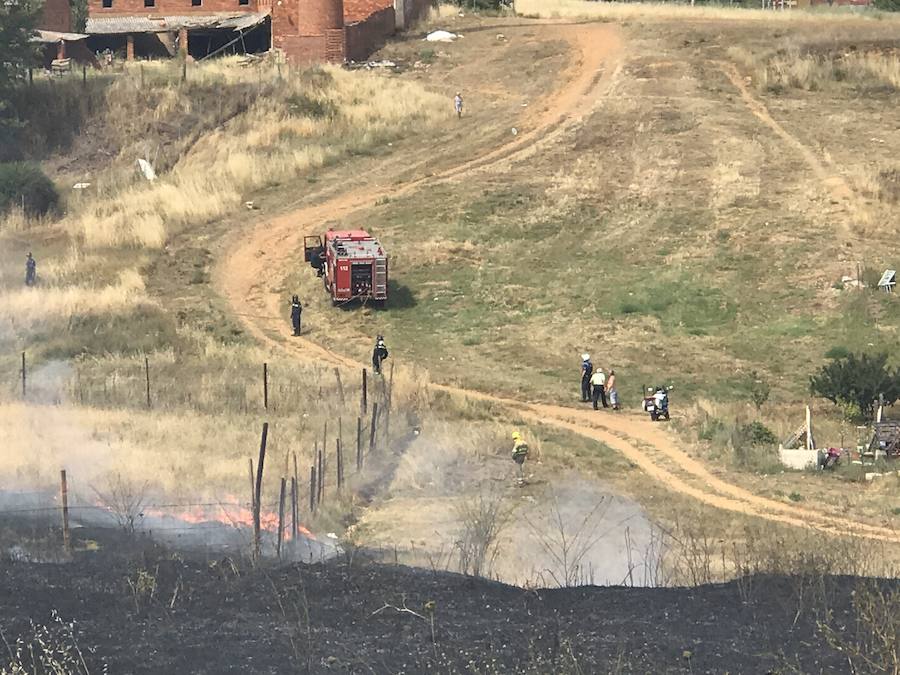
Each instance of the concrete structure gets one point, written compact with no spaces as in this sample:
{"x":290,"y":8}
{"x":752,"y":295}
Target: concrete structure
{"x":305,"y":30}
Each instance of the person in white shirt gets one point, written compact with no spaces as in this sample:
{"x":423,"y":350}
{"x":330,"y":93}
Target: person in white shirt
{"x":598,"y":388}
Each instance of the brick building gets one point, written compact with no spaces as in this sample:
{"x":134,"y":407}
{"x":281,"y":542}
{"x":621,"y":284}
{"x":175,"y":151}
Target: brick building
{"x":305,"y":30}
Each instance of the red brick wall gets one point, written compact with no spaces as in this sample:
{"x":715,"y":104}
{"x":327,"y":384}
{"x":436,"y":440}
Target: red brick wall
{"x":56,"y":16}
{"x":317,"y":16}
{"x":360,"y":10}
{"x":166,"y":7}
{"x":301,"y":49}
{"x":367,"y":36}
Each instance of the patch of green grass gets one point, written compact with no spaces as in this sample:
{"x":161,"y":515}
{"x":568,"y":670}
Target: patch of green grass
{"x":795,"y":497}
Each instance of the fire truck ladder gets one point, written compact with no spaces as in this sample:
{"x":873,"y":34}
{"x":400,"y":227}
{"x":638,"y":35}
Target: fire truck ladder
{"x":380,"y":280}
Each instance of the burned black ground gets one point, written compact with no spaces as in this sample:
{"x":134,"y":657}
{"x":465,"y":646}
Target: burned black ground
{"x":139,"y":608}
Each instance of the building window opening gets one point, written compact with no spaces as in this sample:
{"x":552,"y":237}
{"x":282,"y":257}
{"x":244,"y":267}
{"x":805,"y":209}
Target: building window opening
{"x":243,"y":2}
{"x":196,"y":3}
{"x":149,"y":3}
{"x":107,"y":4}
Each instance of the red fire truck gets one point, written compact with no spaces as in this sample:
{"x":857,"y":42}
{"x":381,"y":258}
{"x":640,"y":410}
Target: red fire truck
{"x":352,"y":264}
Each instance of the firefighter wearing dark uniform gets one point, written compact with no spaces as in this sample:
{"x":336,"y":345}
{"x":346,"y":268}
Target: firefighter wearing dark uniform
{"x":30,"y":270}
{"x":296,"y":311}
{"x":519,"y":455}
{"x":587,"y":369}
{"x":379,"y":354}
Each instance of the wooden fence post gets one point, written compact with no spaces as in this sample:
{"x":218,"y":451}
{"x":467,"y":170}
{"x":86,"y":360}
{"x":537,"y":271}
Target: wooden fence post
{"x":340,"y":465}
{"x":373,"y":428}
{"x":147,"y":377}
{"x":64,"y":494}
{"x":359,"y":455}
{"x":266,"y":386}
{"x":252,"y":488}
{"x":258,"y":490}
{"x":23,"y":375}
{"x":364,"y":405}
{"x":320,"y":496}
{"x":340,"y":384}
{"x":281,"y":517}
{"x":312,"y":489}
{"x":293,"y":508}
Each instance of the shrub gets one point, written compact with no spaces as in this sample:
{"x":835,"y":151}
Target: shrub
{"x":837,"y":353}
{"x":27,"y":186}
{"x":757,"y":433}
{"x":855,"y":383}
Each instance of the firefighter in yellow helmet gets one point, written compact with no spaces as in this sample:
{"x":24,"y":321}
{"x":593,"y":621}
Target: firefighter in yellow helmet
{"x":519,"y":455}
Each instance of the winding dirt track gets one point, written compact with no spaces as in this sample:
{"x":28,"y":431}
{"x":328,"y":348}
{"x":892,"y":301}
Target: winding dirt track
{"x":257,"y":262}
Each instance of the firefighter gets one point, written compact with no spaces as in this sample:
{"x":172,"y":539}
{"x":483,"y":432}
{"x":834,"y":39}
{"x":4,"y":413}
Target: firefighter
{"x":519,"y":455}
{"x":296,"y":312}
{"x":30,"y":270}
{"x":587,"y":369}
{"x":379,"y":354}
{"x":458,"y":105}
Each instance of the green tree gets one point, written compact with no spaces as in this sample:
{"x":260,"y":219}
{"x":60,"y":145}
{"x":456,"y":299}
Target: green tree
{"x":18,"y":19}
{"x":856,"y":381}
{"x":888,"y":5}
{"x":79,"y":15}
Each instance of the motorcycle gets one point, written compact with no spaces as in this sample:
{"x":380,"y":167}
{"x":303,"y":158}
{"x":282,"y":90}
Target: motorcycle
{"x":830,"y":459}
{"x":656,"y":404}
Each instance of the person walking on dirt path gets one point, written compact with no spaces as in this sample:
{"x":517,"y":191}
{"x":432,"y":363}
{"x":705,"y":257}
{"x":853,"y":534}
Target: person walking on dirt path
{"x":519,"y":455}
{"x":587,"y":369}
{"x":598,"y":388}
{"x":379,"y":354}
{"x":611,"y":390}
{"x":30,"y":270}
{"x":458,"y":105}
{"x":296,"y":312}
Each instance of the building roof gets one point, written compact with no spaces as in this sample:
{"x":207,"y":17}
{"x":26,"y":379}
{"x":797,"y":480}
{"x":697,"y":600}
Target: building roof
{"x":117,"y":25}
{"x":52,"y":37}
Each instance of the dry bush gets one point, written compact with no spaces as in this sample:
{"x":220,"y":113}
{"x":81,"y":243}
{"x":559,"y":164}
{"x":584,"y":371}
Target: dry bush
{"x":46,"y":649}
{"x":566,"y":541}
{"x":872,"y":644}
{"x":482,"y":520}
{"x":124,"y":498}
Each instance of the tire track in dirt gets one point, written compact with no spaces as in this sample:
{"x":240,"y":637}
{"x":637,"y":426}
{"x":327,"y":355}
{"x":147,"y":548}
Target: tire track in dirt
{"x":836,"y":186}
{"x":256,"y":262}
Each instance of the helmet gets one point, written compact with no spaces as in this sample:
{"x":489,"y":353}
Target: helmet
{"x":585,"y":357}
{"x":516,"y":436}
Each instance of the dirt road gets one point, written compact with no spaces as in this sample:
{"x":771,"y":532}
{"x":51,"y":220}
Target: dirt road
{"x":258,"y":260}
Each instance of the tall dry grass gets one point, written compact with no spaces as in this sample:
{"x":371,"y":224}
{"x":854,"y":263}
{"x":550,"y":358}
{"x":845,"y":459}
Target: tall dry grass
{"x":793,"y":68}
{"x":626,"y":11}
{"x":26,"y":309}
{"x":298,"y":123}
